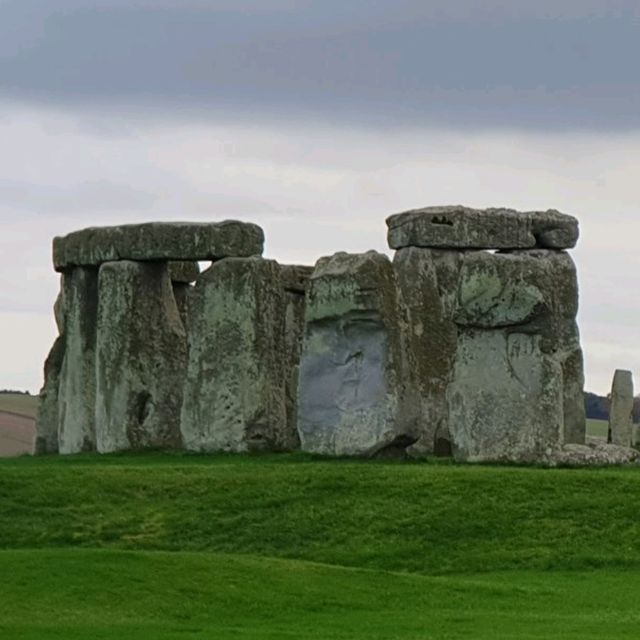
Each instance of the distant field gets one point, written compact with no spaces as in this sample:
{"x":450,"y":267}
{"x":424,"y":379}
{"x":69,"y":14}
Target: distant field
{"x":292,"y":547}
{"x":17,"y":424}
{"x":17,"y":403}
{"x":597,"y":428}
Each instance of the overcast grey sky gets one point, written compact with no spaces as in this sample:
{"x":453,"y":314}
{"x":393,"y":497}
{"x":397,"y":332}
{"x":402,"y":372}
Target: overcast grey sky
{"x":316,"y":119}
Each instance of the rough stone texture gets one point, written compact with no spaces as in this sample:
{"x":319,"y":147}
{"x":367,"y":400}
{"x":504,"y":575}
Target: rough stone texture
{"x":141,"y":358}
{"x":76,"y":395}
{"x":458,"y":227}
{"x":517,"y":384}
{"x":295,"y":282}
{"x":353,"y":397}
{"x":184,"y":272}
{"x":48,"y":409}
{"x":181,"y":293}
{"x":235,"y":390}
{"x":427,"y":279}
{"x":621,"y":410}
{"x":595,"y":454}
{"x":157,"y":241}
{"x":554,"y":230}
{"x":533,"y":292}
{"x":505,"y":398}
{"x":47,"y":419}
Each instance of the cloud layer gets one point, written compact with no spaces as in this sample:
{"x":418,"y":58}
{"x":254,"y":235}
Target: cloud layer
{"x":402,"y":63}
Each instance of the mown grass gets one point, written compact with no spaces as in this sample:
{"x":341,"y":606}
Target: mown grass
{"x":92,"y":594}
{"x":174,"y":546}
{"x":597,"y":428}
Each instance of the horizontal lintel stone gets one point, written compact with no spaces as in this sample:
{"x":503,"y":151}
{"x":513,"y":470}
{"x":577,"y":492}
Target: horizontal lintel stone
{"x":174,"y":241}
{"x":458,"y":227}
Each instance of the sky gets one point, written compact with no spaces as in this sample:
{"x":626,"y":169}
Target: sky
{"x":317,"y":120}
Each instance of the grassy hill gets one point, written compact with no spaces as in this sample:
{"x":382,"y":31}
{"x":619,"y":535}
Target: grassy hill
{"x":170,"y":546}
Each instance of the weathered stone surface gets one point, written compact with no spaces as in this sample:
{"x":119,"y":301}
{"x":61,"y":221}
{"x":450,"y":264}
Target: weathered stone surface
{"x":141,"y":358}
{"x":595,"y":454}
{"x":458,"y":227}
{"x":181,"y":293}
{"x":353,"y":397}
{"x":427,"y":279}
{"x":533,"y":292}
{"x":505,"y":398}
{"x":48,"y":416}
{"x":554,"y":230}
{"x":295,"y":282}
{"x":235,"y":390}
{"x":47,"y":419}
{"x":157,"y":241}
{"x":76,"y":395}
{"x":184,"y":272}
{"x":621,"y":410}
{"x":499,"y":290}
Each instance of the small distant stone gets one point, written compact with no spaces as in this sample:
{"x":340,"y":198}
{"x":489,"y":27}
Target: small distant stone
{"x":621,"y":411}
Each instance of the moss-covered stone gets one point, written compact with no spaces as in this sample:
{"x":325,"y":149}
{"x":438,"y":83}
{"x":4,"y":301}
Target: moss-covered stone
{"x":354,"y":396}
{"x":76,"y":397}
{"x":428,"y":281}
{"x":458,"y":227}
{"x":621,"y":410}
{"x":157,"y":241}
{"x":141,"y":358}
{"x":235,"y":391}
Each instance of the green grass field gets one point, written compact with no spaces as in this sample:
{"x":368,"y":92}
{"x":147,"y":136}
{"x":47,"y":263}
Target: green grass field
{"x":22,"y":404}
{"x":171,"y":546}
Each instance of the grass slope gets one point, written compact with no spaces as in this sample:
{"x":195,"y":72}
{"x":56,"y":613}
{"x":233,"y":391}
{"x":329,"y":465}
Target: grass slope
{"x":170,"y":546}
{"x":424,"y":518}
{"x":22,"y":404}
{"x":130,"y":595}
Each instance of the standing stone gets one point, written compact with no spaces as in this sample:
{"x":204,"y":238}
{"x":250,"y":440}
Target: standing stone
{"x":77,"y":389}
{"x":353,"y":392}
{"x":235,"y":390}
{"x":505,"y":398}
{"x":47,"y":419}
{"x":295,"y":282}
{"x":621,"y":411}
{"x":427,"y":279}
{"x":48,"y":409}
{"x":141,"y":358}
{"x":517,"y":384}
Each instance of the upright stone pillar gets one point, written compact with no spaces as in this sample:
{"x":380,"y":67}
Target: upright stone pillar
{"x":354,"y":396}
{"x":48,"y":416}
{"x":621,"y":410}
{"x":427,"y":279}
{"x":499,"y":365}
{"x":295,"y":282}
{"x":235,"y":390}
{"x":77,"y":389}
{"x":141,"y":358}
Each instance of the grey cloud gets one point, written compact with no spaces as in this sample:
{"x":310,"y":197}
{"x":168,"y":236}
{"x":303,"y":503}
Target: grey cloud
{"x":408,"y":63}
